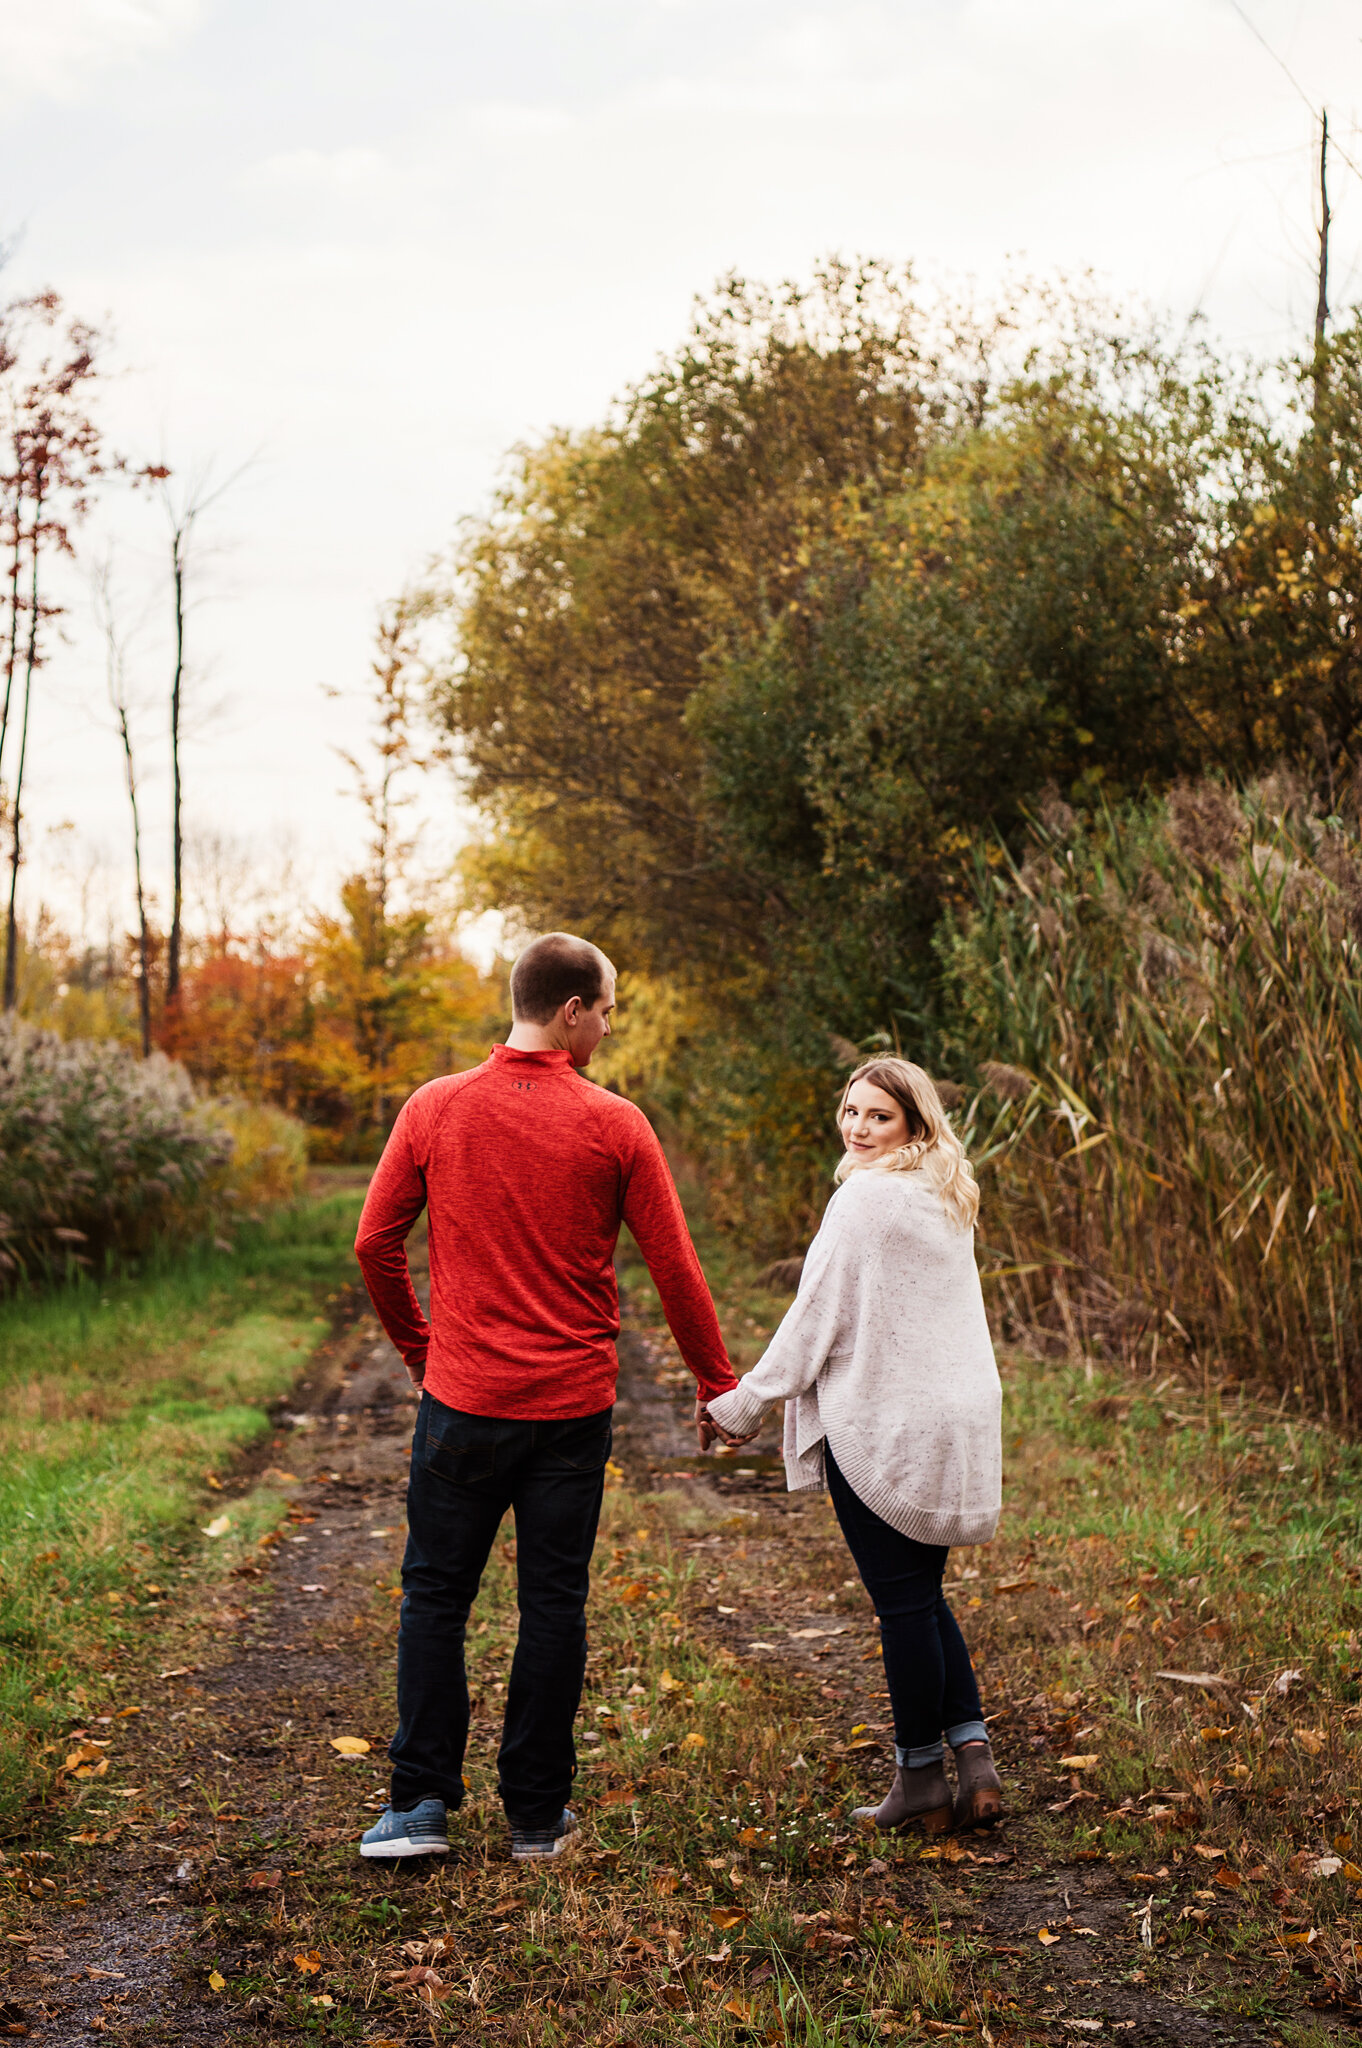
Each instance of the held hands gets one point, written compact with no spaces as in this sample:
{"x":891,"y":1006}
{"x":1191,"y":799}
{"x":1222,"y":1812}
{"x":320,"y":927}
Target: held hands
{"x":709,"y":1432}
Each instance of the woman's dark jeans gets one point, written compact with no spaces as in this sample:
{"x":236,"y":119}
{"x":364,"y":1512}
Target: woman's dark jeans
{"x":928,"y":1669}
{"x":466,"y":1471}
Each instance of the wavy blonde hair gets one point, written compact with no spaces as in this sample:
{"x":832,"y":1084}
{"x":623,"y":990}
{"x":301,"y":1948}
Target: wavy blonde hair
{"x":932,"y":1148}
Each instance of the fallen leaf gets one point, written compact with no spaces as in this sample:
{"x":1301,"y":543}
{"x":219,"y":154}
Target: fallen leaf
{"x":724,"y":1917}
{"x":1216,"y":1734}
{"x":1352,"y":1873}
{"x":807,"y":1635}
{"x":84,"y":1753}
{"x":1078,"y":1763}
{"x":322,"y":1998}
{"x":219,"y":1525}
{"x":309,"y":1962}
{"x":1324,"y":1866}
{"x":669,"y":1684}
{"x":351,"y":1745}
{"x":216,"y":1981}
{"x":1284,"y":1681}
{"x":1229,"y":1878}
{"x":1311,"y":1740}
{"x":1207,"y":1681}
{"x":741,"y":2008}
{"x":263,"y":1881}
{"x":1015,"y":1585}
{"x":673,"y":1995}
{"x":695,"y":1740}
{"x":1045,"y":1938}
{"x":1205,"y":1850}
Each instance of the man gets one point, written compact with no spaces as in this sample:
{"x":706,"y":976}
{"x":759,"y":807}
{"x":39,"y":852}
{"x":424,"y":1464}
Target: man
{"x":527,"y":1169}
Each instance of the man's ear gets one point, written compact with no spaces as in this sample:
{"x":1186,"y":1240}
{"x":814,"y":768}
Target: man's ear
{"x":572,"y":1010}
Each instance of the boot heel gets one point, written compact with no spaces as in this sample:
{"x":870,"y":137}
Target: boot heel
{"x":938,"y":1821}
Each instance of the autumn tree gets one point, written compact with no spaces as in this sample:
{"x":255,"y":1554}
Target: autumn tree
{"x":52,"y":453}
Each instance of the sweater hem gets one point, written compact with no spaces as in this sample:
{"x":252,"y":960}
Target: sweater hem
{"x":922,"y":1525}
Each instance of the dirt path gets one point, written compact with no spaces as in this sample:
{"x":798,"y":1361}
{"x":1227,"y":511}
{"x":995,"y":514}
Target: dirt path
{"x":202,"y":1843}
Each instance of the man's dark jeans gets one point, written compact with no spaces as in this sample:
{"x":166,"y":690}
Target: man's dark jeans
{"x":466,"y":1471}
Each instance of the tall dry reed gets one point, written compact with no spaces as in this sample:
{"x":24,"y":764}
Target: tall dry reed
{"x":1165,"y":1014}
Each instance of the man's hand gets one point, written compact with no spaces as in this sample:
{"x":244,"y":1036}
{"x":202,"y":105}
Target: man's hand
{"x":417,"y":1375}
{"x":709,"y":1431}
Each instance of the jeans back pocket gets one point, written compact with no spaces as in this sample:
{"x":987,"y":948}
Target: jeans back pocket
{"x":460,"y":1447}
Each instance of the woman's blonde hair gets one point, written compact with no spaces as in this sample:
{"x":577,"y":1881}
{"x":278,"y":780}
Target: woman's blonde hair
{"x":932,"y":1148}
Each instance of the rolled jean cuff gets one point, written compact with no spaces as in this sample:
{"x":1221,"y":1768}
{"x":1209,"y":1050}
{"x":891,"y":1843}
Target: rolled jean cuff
{"x":917,"y":1759}
{"x":966,"y":1731}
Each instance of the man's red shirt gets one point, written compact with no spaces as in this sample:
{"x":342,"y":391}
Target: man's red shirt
{"x":528,"y":1170}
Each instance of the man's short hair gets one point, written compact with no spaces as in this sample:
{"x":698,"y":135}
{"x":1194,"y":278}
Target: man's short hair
{"x":552,"y":970}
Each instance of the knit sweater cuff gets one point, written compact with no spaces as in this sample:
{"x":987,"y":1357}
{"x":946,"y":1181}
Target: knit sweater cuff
{"x":738,"y":1411}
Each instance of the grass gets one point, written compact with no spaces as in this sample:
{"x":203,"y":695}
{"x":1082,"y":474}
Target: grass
{"x":117,"y":1401}
{"x":720,"y":1896}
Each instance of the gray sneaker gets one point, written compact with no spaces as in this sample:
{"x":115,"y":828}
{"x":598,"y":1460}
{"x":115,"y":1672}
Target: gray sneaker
{"x":423,"y":1831}
{"x":528,"y":1844}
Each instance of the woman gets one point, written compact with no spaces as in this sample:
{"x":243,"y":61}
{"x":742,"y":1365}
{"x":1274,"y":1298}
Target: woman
{"x":892,"y":1399}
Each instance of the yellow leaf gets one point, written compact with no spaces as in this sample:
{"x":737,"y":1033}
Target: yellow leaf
{"x":219,"y":1525}
{"x":669,"y":1684}
{"x":323,"y":1998}
{"x":308,"y":1961}
{"x":725,"y":1917}
{"x":1310,"y":1740}
{"x":741,"y":2008}
{"x":1204,"y":1849}
{"x":1352,"y":1873}
{"x":1014,"y":1585}
{"x":216,"y":1981}
{"x":695,"y":1740}
{"x":1045,"y":1938}
{"x":83,"y":1753}
{"x":351,"y":1745}
{"x":1216,"y":1734}
{"x":1078,"y":1763}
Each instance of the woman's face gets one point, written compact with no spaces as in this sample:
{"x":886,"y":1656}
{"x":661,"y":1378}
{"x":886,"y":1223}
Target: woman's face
{"x":873,"y":1124}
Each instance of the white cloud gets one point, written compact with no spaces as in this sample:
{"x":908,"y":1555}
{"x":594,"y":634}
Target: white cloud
{"x":345,"y":171}
{"x":52,"y":49}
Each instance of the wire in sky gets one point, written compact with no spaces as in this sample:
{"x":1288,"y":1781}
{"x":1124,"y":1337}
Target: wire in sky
{"x":1290,"y":75}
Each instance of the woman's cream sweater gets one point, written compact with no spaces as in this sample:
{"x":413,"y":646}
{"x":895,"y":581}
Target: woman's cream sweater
{"x":885,"y":1353}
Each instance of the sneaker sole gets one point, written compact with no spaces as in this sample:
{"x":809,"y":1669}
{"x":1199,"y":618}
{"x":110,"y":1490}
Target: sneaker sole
{"x":541,"y":1855}
{"x":402,"y":1845}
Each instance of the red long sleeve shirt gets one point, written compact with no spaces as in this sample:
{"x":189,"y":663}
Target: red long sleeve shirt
{"x":528,"y":1170}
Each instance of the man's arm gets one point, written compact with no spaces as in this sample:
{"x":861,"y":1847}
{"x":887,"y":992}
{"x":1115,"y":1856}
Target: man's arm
{"x":652,"y":1209}
{"x":396,"y":1197}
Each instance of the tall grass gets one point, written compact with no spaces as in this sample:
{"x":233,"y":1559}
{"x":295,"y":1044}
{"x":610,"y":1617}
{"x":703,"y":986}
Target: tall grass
{"x":1165,"y":1013}
{"x":116,"y":1400}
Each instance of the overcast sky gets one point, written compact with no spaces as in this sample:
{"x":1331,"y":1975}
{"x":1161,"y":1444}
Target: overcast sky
{"x":367,"y":248}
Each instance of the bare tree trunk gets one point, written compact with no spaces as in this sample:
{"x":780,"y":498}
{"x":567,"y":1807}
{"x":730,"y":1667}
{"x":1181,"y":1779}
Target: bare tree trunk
{"x":179,"y":535}
{"x":119,"y":699}
{"x":12,"y":651}
{"x":11,"y":990}
{"x":1322,"y":297}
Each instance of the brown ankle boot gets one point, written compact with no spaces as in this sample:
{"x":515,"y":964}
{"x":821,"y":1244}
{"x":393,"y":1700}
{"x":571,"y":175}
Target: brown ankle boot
{"x":979,"y":1801}
{"x":916,"y":1799}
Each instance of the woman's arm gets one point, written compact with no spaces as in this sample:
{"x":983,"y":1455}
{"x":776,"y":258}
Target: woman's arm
{"x":821,"y":1317}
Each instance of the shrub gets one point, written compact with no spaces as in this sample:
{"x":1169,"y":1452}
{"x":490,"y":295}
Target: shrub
{"x":102,"y":1152}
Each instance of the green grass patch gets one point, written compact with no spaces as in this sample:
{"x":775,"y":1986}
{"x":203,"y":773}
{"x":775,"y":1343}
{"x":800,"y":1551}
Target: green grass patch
{"x":117,"y":1400}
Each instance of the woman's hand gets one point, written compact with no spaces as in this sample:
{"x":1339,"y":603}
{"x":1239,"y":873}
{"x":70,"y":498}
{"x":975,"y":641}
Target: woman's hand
{"x":709,"y":1431}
